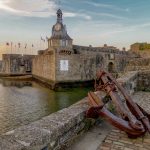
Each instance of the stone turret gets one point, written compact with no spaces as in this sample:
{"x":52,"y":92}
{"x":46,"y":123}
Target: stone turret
{"x":60,"y":38}
{"x":59,"y":16}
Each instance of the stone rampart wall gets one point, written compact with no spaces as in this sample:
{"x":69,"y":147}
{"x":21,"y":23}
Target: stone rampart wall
{"x":83,"y":67}
{"x":57,"y":130}
{"x":143,"y":81}
{"x":44,"y":66}
{"x":80,"y":67}
{"x":16,"y":64}
{"x":129,"y":81}
{"x":138,"y":64}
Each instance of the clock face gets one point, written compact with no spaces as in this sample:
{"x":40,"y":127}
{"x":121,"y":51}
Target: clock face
{"x":57,"y":27}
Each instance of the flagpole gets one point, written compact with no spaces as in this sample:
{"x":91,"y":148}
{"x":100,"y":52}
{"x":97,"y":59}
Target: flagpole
{"x":6,"y":49}
{"x":45,"y":44}
{"x":25,"y":49}
{"x":11,"y":47}
{"x":17,"y":49}
{"x":40,"y":43}
{"x":30,"y":50}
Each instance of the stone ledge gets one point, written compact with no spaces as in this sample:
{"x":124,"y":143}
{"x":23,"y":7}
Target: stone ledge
{"x":129,"y":81}
{"x":51,"y":131}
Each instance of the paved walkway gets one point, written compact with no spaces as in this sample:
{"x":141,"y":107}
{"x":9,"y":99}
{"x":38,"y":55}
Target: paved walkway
{"x":92,"y":139}
{"x":118,"y":140}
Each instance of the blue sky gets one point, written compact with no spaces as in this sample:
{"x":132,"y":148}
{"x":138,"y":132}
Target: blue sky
{"x":89,"y":22}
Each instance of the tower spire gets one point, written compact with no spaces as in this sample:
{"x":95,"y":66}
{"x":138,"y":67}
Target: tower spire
{"x":59,"y":16}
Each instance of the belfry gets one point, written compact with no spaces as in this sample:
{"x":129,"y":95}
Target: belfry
{"x":59,"y":39}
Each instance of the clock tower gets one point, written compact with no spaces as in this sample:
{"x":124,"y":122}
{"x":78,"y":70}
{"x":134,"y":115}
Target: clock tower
{"x":60,"y":40}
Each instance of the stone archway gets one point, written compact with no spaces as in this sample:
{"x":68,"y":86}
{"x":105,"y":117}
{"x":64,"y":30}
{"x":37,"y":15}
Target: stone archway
{"x":111,"y":67}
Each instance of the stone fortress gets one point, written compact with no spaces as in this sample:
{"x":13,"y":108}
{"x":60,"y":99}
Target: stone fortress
{"x":63,"y":63}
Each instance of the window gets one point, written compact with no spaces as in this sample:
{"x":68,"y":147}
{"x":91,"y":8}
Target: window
{"x":62,"y":42}
{"x":66,"y":42}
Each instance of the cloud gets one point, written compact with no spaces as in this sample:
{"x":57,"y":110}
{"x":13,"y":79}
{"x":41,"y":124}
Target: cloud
{"x":35,"y":8}
{"x":106,"y":6}
{"x":110,"y":15}
{"x":30,"y":8}
{"x":124,"y":29}
{"x":71,"y":14}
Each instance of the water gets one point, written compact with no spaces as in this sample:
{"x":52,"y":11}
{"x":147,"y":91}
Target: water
{"x":22,"y":102}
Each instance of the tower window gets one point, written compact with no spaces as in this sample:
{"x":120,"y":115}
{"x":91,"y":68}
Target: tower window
{"x":66,"y":42}
{"x":63,"y":42}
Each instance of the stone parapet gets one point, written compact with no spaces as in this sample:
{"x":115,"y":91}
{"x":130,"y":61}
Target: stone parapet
{"x":129,"y":81}
{"x":143,"y":81}
{"x":51,"y":132}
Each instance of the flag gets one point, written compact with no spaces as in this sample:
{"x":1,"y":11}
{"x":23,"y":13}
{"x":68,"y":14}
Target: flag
{"x":19,"y":45}
{"x":46,"y":38}
{"x":7,"y":44}
{"x":25,"y":46}
{"x":42,"y":39}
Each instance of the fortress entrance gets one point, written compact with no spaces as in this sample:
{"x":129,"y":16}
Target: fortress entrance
{"x":111,"y":67}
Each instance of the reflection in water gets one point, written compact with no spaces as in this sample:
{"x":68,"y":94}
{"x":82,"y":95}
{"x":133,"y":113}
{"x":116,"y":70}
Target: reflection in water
{"x":22,"y":102}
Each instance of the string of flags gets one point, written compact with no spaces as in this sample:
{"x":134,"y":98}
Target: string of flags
{"x":15,"y":46}
{"x":44,"y":40}
{"x":18,"y":44}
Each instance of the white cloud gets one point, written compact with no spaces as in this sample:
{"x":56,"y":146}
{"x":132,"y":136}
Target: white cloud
{"x":30,"y":8}
{"x":124,"y":29}
{"x":71,"y":14}
{"x":106,"y":6}
{"x":110,"y":15}
{"x":35,"y":8}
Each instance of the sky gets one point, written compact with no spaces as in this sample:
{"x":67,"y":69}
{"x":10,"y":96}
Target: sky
{"x":89,"y":22}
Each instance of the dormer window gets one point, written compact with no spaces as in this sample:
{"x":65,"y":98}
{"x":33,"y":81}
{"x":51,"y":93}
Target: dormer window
{"x":62,"y":42}
{"x":66,"y":42}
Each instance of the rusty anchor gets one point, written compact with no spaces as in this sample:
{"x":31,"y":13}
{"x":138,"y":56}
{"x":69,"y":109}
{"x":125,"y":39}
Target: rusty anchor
{"x":132,"y":118}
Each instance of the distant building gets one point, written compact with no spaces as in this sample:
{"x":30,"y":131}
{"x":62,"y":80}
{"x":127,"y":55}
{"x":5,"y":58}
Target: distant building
{"x":140,"y":46}
{"x":142,"y":49}
{"x":15,"y":64}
